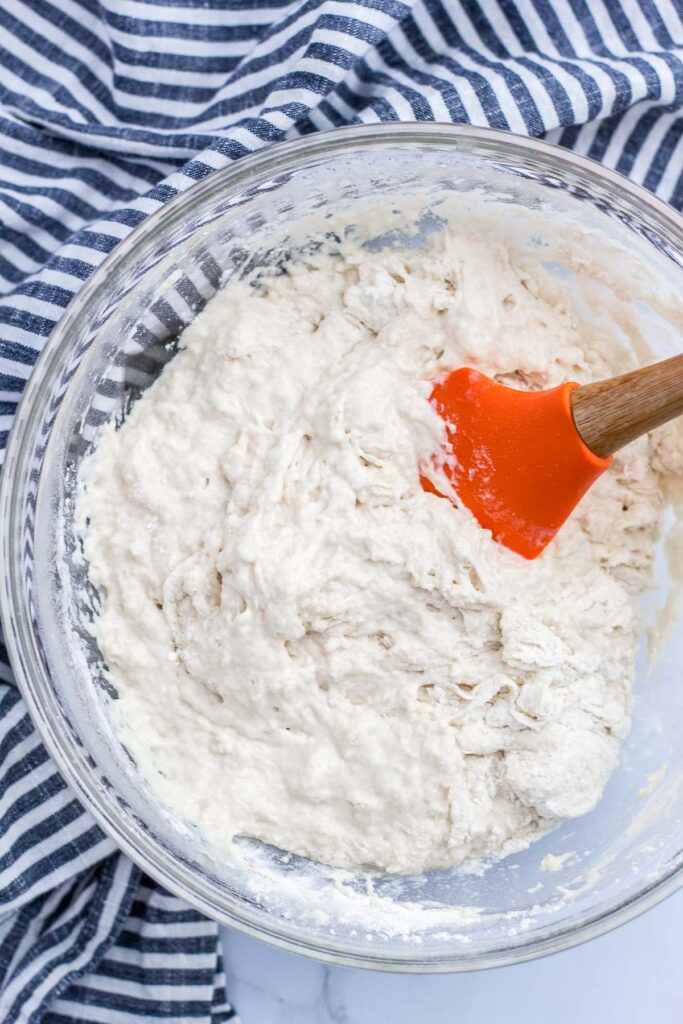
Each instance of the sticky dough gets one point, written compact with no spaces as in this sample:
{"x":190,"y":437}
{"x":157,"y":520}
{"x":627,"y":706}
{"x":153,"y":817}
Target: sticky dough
{"x":307,"y":647}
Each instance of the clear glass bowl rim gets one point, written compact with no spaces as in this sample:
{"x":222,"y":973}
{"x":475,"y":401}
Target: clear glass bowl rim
{"x":33,"y":683}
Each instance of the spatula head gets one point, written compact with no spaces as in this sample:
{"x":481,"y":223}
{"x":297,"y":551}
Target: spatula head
{"x":514,"y":458}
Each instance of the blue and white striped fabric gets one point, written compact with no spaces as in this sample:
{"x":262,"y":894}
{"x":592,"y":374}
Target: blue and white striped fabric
{"x":108,"y":108}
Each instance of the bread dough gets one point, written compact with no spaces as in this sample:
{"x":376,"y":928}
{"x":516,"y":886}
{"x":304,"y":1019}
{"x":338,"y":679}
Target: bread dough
{"x":307,"y":647}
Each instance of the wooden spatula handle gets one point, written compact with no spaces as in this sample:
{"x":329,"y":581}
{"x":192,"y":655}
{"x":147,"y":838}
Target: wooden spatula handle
{"x":610,"y":413}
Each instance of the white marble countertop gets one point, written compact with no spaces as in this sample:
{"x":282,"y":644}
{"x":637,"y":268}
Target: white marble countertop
{"x":631,"y":976}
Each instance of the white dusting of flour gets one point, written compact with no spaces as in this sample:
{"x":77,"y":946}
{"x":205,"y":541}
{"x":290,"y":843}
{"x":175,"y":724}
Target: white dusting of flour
{"x":307,"y":647}
{"x":555,"y":861}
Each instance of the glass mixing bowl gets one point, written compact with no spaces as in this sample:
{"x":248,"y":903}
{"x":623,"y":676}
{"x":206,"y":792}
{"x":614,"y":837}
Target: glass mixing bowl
{"x":111,"y":344}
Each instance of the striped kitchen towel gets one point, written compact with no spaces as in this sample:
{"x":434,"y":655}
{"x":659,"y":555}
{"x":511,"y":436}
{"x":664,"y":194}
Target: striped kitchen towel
{"x":108,"y":108}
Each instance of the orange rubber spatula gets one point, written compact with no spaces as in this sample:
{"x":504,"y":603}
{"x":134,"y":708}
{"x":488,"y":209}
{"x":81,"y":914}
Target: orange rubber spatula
{"x":521,"y":460}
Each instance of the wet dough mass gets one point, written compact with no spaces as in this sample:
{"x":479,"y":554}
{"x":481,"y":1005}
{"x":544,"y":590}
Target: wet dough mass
{"x":308,"y":648}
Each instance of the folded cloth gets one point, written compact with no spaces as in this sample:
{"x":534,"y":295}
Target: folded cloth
{"x":108,"y":109}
